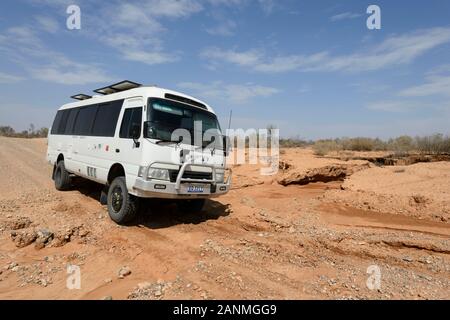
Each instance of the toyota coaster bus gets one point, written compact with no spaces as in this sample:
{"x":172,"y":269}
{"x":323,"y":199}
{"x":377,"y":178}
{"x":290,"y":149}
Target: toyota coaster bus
{"x":140,"y":142}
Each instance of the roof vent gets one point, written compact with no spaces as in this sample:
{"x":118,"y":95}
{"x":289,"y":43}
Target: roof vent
{"x":81,"y":96}
{"x":118,"y":87}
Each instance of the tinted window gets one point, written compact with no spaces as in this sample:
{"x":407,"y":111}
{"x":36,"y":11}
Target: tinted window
{"x":84,"y":121}
{"x":56,"y":122}
{"x":131,"y":117}
{"x":71,"y":121}
{"x":62,"y":125}
{"x":106,"y":119}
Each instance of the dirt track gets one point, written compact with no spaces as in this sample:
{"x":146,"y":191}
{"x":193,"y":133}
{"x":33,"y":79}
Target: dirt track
{"x":261,"y":241}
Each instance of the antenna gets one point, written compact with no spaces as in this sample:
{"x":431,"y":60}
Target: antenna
{"x":229,"y":120}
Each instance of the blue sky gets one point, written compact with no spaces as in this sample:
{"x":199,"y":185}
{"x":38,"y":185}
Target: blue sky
{"x":312,"y":68}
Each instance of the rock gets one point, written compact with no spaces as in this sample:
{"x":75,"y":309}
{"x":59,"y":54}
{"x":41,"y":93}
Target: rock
{"x":44,"y":236}
{"x":15,"y":224}
{"x":418,"y":199}
{"x":337,"y":172}
{"x":83,"y":233}
{"x":24,"y":238}
{"x":283,"y":165}
{"x":144,"y":285}
{"x":107,"y":298}
{"x":247,"y":201}
{"x":43,"y":282}
{"x":124,"y":272}
{"x":408,"y":259}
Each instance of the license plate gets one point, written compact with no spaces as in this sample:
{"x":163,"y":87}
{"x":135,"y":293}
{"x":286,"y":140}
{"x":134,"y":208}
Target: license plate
{"x":192,"y":188}
{"x":195,"y":189}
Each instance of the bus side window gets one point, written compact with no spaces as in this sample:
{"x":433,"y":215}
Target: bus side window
{"x":62,"y":125}
{"x":131,"y":117}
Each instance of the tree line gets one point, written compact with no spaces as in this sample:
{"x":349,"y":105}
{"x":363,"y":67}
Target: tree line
{"x":32,"y":132}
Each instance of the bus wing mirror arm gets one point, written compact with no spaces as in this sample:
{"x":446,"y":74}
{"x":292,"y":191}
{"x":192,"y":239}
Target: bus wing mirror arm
{"x":136,"y":134}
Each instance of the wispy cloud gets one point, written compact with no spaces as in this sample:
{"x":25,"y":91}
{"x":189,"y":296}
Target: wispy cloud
{"x":171,"y":8}
{"x":237,"y":93}
{"x":435,"y":85}
{"x":345,"y":16}
{"x":223,"y":28}
{"x":267,"y":5}
{"x":395,"y":50}
{"x":395,"y":105}
{"x":23,"y":46}
{"x":9,"y":78}
{"x":135,"y":29}
{"x":48,"y":24}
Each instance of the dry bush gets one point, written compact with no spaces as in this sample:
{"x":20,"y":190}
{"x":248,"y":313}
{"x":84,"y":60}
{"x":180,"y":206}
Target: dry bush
{"x":402,"y":145}
{"x":323,"y":147}
{"x":434,"y":144}
{"x":362,"y":144}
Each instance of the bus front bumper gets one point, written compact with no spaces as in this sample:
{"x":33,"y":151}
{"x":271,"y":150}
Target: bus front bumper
{"x":182,"y":188}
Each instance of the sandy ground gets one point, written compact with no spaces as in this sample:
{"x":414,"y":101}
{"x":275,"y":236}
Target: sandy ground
{"x":261,"y":241}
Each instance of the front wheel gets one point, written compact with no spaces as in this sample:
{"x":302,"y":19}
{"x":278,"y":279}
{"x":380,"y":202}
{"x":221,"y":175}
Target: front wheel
{"x":122,"y":206}
{"x":191,"y":206}
{"x":62,"y":177}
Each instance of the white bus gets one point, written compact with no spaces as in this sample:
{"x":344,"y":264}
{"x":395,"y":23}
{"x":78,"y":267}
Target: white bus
{"x":139,"y":142}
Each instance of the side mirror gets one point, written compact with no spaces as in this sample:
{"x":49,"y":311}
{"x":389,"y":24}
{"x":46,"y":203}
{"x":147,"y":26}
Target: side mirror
{"x":149,"y":131}
{"x":226,"y":145}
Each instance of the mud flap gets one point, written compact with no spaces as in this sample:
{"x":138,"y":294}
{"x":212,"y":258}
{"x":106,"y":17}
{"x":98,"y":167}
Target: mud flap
{"x":104,"y":196}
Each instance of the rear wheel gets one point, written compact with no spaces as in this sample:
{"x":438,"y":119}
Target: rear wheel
{"x":62,"y":177}
{"x":122,"y":206}
{"x":191,"y":206}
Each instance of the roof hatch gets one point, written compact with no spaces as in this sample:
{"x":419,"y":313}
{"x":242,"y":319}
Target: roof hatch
{"x":81,"y":96}
{"x":118,"y":87}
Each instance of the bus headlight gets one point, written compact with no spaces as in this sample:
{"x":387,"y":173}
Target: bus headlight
{"x":160,"y":174}
{"x":219,"y":177}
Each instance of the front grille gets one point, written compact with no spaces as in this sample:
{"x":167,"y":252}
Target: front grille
{"x":190,"y":175}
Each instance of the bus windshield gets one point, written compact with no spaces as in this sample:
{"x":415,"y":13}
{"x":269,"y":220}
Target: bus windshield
{"x":166,"y":116}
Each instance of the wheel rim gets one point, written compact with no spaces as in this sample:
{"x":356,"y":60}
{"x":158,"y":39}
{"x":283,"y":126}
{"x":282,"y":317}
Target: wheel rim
{"x":117,"y":199}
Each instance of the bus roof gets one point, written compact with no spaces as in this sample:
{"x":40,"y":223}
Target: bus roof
{"x":143,"y":91}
